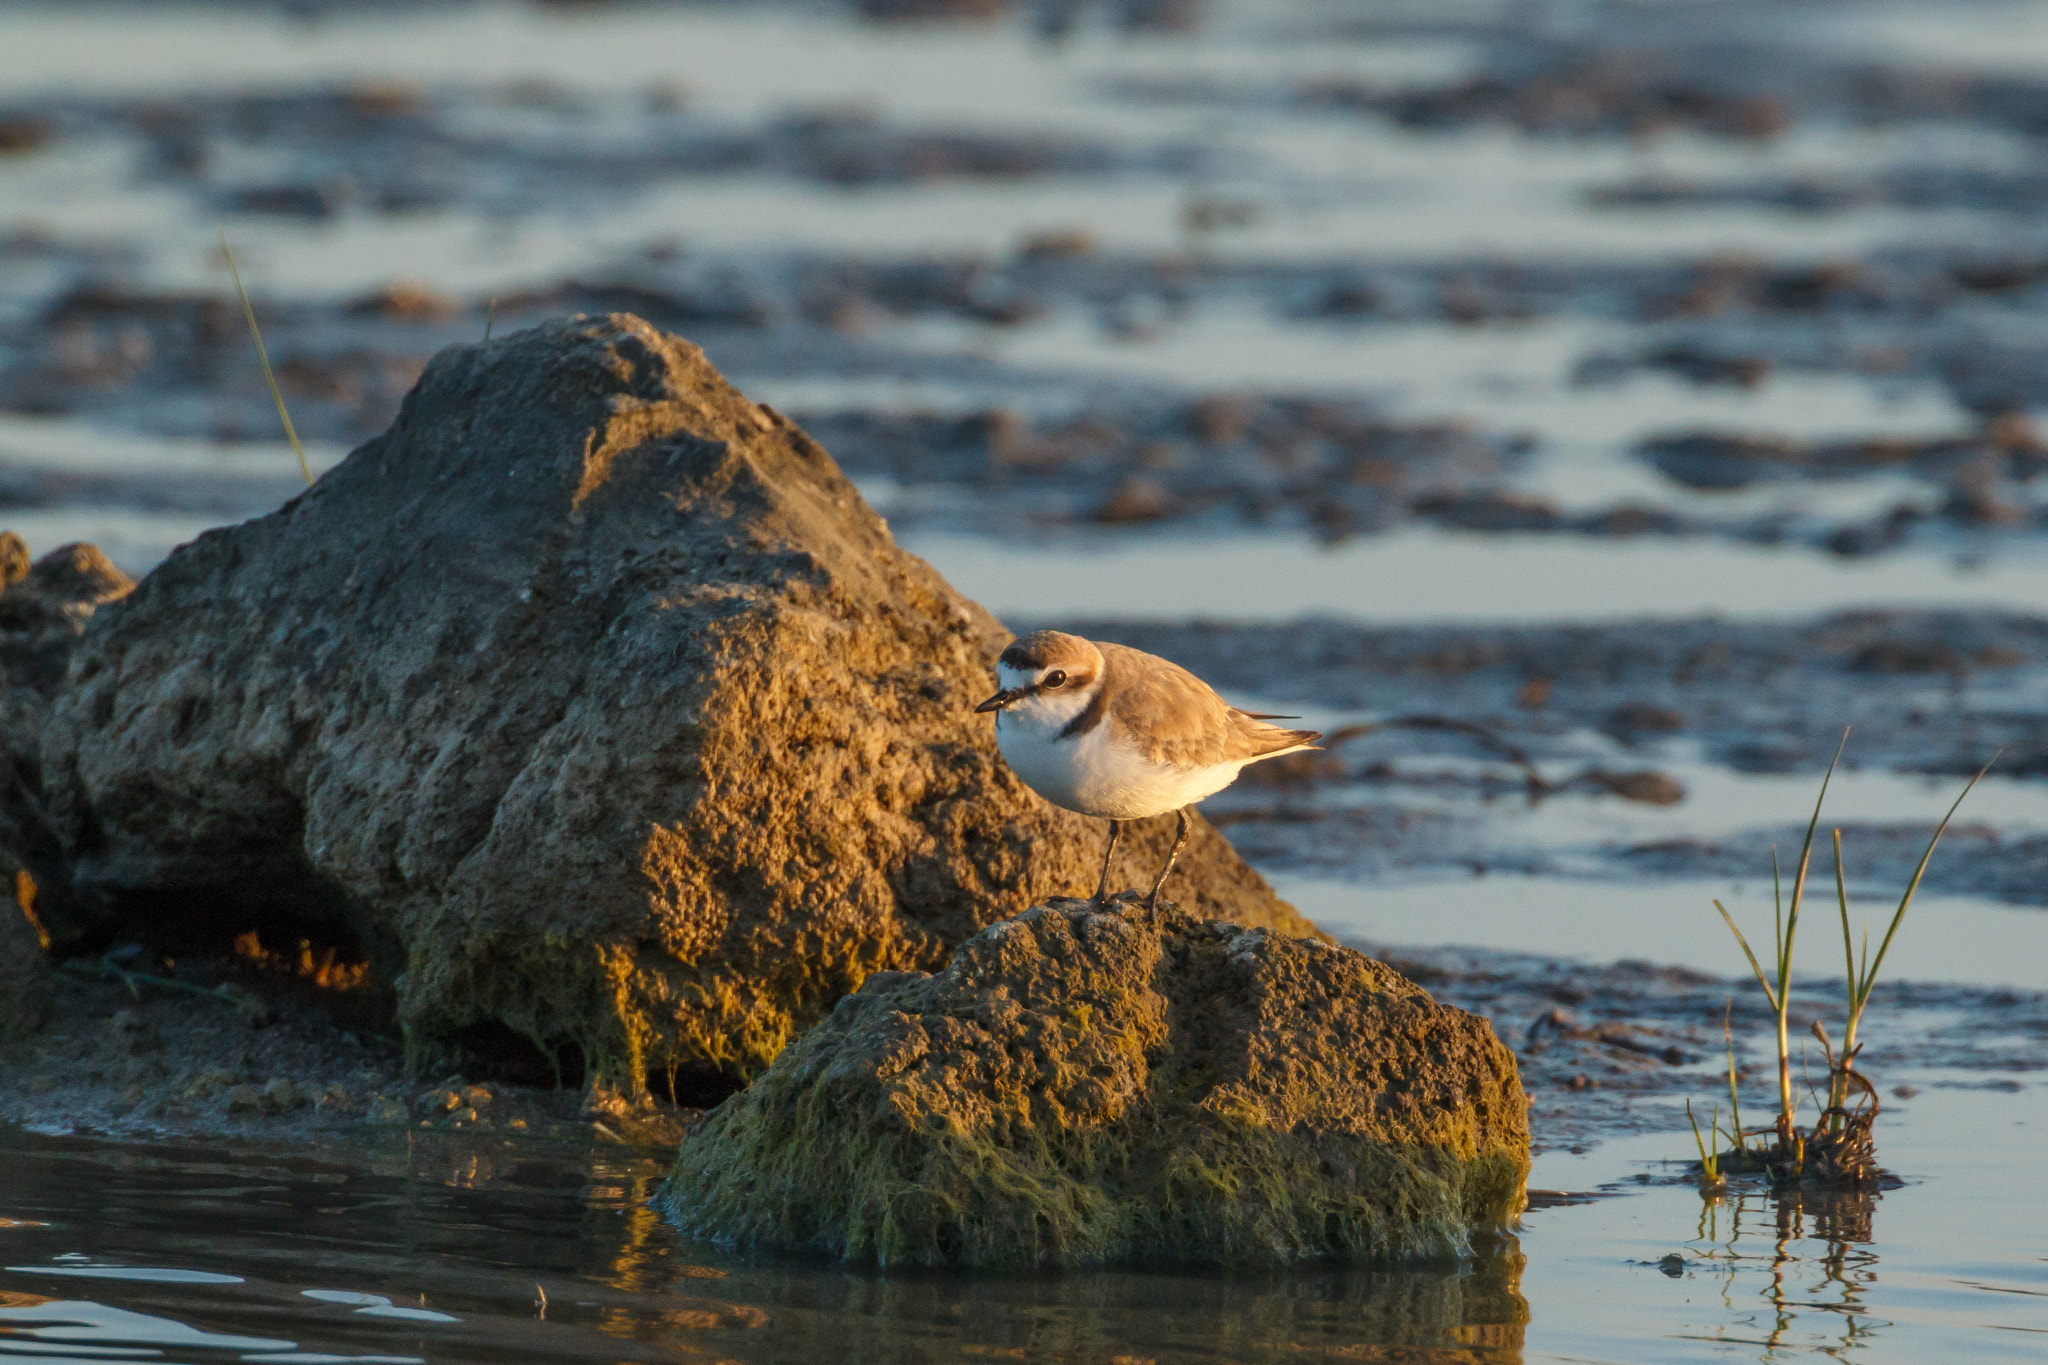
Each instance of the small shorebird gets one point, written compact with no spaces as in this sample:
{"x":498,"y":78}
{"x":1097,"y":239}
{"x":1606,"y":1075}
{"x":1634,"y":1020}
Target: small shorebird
{"x":1115,"y":732}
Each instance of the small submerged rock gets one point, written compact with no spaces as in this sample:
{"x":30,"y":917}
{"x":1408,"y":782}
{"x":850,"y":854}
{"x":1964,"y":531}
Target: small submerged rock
{"x":1081,"y":1086}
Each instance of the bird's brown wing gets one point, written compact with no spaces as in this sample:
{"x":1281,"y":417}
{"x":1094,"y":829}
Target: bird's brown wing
{"x":1175,"y":718}
{"x":1168,"y":713}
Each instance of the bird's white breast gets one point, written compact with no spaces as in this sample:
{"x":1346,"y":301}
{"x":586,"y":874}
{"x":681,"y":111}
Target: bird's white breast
{"x":1097,"y":773}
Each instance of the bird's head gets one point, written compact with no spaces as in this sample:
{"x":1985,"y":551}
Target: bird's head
{"x":1049,"y":676}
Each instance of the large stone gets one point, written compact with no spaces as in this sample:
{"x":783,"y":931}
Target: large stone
{"x":1081,"y":1087}
{"x":594,"y":702}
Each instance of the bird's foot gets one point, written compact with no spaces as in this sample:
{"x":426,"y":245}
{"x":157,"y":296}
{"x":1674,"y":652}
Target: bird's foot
{"x":1124,"y":903}
{"x":1161,"y":910}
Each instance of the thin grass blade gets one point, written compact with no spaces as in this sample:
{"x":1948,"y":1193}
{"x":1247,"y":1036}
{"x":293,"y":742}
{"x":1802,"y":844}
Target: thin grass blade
{"x":263,"y":358}
{"x":1899,"y":915}
{"x":1734,"y":1097}
{"x":1848,"y":939}
{"x":1777,"y":899}
{"x":1805,"y":856}
{"x":1754,"y":965}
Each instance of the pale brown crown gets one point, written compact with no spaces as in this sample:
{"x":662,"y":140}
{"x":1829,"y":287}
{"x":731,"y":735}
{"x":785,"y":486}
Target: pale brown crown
{"x":1052,"y":649}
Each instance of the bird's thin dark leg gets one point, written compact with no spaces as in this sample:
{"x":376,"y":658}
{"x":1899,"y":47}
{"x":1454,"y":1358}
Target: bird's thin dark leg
{"x":1179,"y":839}
{"x":1116,"y":832}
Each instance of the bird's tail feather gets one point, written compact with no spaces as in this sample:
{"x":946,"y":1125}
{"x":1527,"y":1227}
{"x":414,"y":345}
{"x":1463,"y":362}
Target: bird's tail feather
{"x":1276,"y":740}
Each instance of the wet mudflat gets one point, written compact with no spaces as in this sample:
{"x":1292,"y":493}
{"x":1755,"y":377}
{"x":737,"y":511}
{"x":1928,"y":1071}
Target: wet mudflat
{"x":1268,"y":266}
{"x":1322,"y":350}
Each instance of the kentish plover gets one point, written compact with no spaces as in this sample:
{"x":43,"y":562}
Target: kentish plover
{"x":1111,"y":731}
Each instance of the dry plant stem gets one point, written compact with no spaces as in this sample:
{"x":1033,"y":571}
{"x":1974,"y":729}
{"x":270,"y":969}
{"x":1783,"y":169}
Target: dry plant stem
{"x":1785,"y":927}
{"x":263,"y":357}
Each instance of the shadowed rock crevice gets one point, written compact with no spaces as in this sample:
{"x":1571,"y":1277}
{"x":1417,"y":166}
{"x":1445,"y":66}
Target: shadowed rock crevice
{"x":44,"y":609}
{"x":592,"y":702}
{"x":1084,"y":1087}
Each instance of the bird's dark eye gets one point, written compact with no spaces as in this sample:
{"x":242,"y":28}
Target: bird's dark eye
{"x":1056,"y":678}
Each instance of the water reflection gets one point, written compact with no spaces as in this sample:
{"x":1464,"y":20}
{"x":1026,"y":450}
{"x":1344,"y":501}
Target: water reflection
{"x":1472,"y":1314}
{"x":427,"y":1248}
{"x":31,"y":1325}
{"x":1808,"y":1257}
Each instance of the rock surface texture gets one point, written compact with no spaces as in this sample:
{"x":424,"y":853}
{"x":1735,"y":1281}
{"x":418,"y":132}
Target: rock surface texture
{"x":593,"y":702}
{"x":44,"y":609}
{"x":1081,"y":1087}
{"x":25,"y":990}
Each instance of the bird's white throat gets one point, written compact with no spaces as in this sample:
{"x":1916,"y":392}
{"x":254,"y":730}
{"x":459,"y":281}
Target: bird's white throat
{"x":1030,"y":732}
{"x":1051,"y":709}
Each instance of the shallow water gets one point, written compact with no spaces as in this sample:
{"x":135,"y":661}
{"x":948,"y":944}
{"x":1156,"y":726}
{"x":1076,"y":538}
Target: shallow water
{"x":429,"y":1249}
{"x":1958,"y":939}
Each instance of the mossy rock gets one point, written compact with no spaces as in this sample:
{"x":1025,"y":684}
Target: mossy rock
{"x":1083,"y":1086}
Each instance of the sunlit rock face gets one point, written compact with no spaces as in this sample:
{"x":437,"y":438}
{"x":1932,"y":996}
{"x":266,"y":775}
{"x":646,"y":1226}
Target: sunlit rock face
{"x":1083,"y":1086}
{"x":594,"y":703}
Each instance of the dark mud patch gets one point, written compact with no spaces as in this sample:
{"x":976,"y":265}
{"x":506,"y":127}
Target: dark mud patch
{"x":384,"y":148}
{"x":1337,"y":468}
{"x":1647,"y":75}
{"x":1608,"y":1050}
{"x":1604,"y":1051}
{"x":261,"y":1062}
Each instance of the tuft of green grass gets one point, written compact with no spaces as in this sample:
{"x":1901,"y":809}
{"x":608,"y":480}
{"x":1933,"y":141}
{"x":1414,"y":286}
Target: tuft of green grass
{"x":1785,"y":926}
{"x":1839,"y":1149}
{"x":263,"y":357}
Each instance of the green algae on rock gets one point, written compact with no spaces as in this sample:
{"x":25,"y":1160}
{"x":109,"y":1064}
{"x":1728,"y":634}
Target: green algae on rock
{"x":1083,"y":1086}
